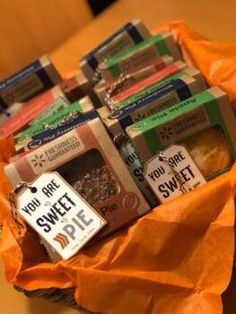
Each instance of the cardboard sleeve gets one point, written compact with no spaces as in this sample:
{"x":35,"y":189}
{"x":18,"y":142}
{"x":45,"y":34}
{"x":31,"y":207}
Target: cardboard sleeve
{"x":176,"y":259}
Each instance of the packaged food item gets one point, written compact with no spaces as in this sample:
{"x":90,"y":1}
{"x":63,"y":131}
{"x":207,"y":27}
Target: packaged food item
{"x":77,"y":87}
{"x":70,"y":90}
{"x":157,"y":77}
{"x":149,"y":86}
{"x":140,"y":55}
{"x":127,"y":36}
{"x":102,"y":88}
{"x":50,"y":135}
{"x":162,"y":98}
{"x":135,"y":167}
{"x":88,"y":160}
{"x":62,"y":117}
{"x":60,"y":217}
{"x":30,"y":111}
{"x":29,"y":82}
{"x":204,"y":123}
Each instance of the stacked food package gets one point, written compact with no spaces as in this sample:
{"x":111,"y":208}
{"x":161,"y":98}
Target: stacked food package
{"x":135,"y":128}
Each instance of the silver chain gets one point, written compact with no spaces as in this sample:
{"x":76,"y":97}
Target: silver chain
{"x":65,"y":120}
{"x":117,"y":84}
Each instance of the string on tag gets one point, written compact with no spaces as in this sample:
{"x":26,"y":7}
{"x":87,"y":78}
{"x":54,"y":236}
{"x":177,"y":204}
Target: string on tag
{"x":117,"y":84}
{"x":166,"y":160}
{"x":13,"y":202}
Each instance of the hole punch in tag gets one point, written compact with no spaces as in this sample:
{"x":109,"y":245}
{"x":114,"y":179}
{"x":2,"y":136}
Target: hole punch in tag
{"x":172,"y":173}
{"x":58,"y":214}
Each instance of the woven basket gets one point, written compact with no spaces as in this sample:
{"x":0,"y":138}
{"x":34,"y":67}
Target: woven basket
{"x":60,"y":296}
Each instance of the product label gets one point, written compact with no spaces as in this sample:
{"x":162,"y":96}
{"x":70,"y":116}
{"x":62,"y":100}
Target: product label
{"x":159,"y":100}
{"x":59,"y":214}
{"x":150,"y":89}
{"x":119,"y":43}
{"x":59,"y":149}
{"x":53,"y":120}
{"x":14,"y":79}
{"x":140,"y":58}
{"x":48,"y":136}
{"x":121,"y":35}
{"x":172,"y":173}
{"x":183,"y":125}
{"x":152,"y":108}
{"x":59,"y":104}
{"x":24,"y":89}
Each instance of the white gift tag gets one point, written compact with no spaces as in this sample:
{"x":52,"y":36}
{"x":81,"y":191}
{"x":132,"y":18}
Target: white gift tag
{"x":59,"y":214}
{"x":172,"y":173}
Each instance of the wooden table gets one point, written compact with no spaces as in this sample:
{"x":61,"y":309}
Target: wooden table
{"x":214,"y":19}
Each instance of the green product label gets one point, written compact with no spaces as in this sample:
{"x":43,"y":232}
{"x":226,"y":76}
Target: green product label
{"x":173,"y":112}
{"x":175,"y":122}
{"x":59,"y":104}
{"x":54,"y":119}
{"x":116,"y":63}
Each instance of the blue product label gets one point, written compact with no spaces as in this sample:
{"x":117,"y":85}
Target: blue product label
{"x":51,"y":135}
{"x":129,"y":28}
{"x":14,"y":79}
{"x":124,"y":115}
{"x":177,"y":85}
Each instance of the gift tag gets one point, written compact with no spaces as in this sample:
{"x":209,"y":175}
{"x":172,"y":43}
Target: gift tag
{"x":58,"y":214}
{"x":172,"y":173}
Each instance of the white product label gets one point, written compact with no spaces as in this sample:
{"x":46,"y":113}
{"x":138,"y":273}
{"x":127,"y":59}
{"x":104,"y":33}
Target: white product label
{"x":172,"y":173}
{"x":63,"y":148}
{"x":59,"y":214}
